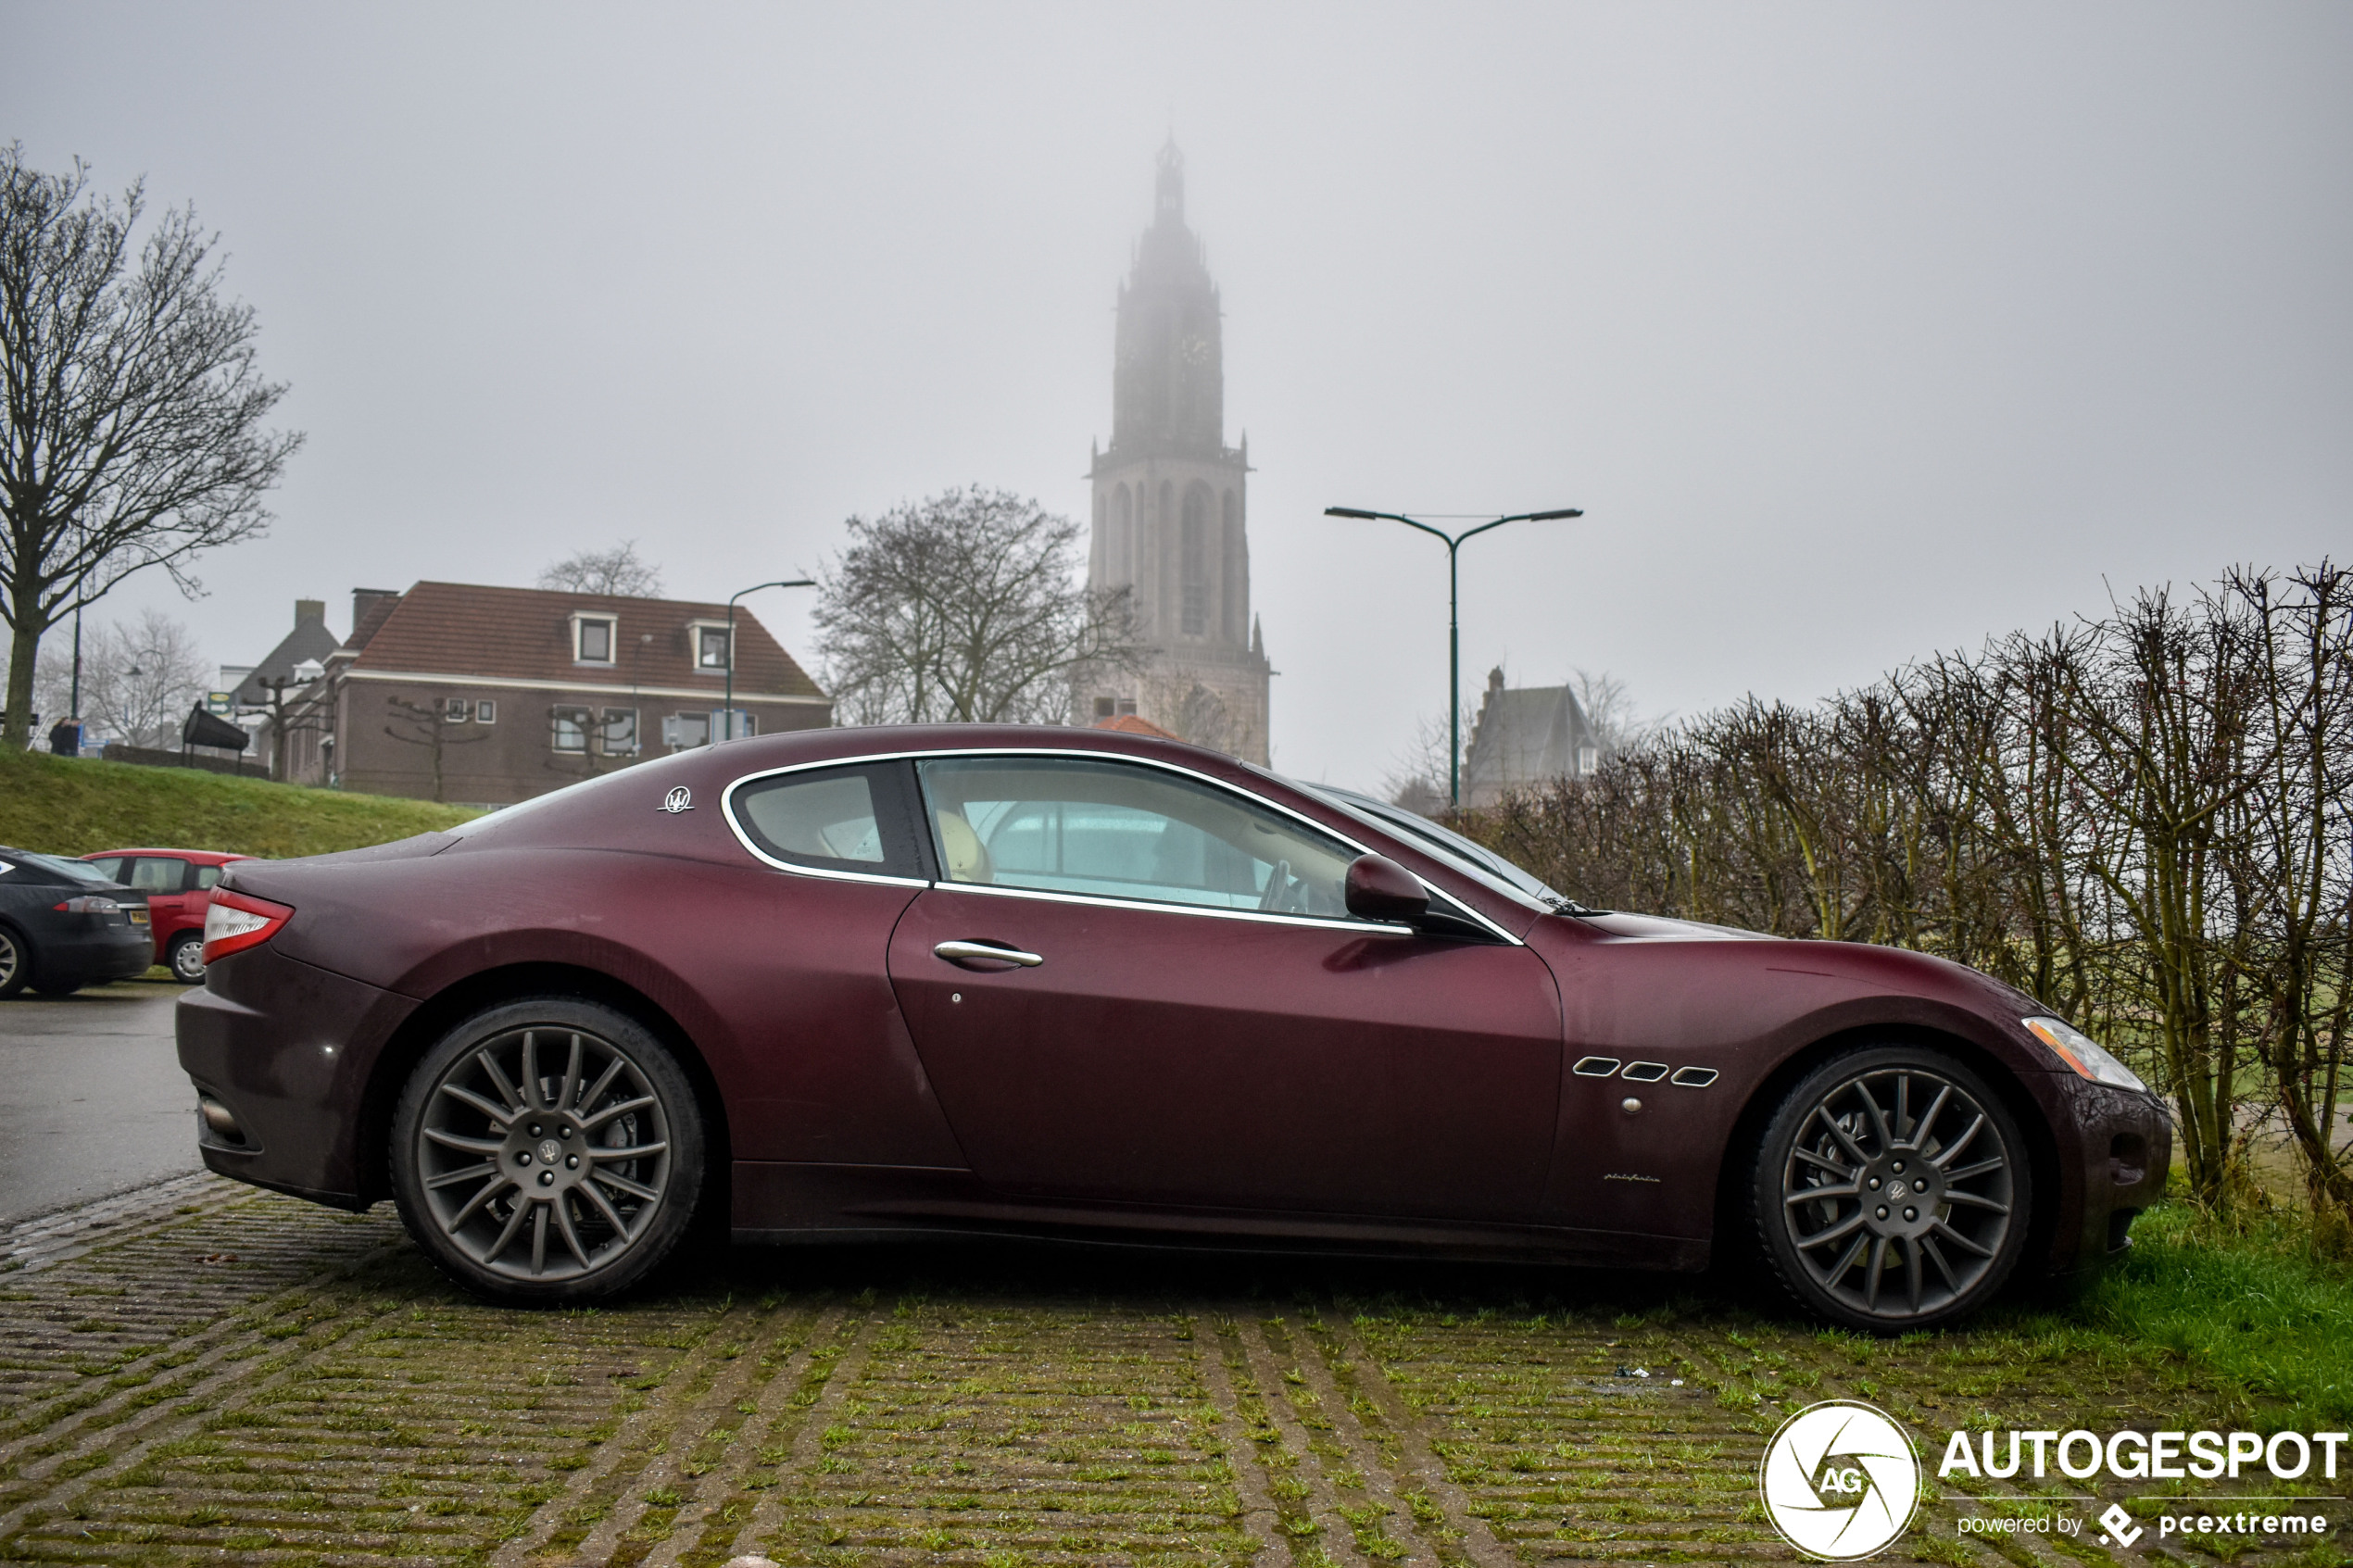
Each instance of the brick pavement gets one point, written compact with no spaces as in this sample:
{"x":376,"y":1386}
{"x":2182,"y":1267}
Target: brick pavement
{"x":199,"y":1373}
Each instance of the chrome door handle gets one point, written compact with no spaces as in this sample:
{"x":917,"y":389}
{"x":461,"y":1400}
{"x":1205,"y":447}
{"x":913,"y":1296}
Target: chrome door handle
{"x":966,"y":952}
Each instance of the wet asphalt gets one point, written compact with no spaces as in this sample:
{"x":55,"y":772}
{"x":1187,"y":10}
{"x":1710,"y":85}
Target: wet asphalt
{"x":92,"y":1098}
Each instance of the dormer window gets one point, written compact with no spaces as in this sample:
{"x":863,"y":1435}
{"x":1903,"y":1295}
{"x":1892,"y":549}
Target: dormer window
{"x":592,"y":639}
{"x":711,"y":646}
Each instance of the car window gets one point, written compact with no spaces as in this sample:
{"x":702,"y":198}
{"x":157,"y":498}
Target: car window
{"x":72,"y":871}
{"x":158,"y":873}
{"x":111,"y":865}
{"x":207,"y":875}
{"x":832,"y":819}
{"x":1125,"y":830}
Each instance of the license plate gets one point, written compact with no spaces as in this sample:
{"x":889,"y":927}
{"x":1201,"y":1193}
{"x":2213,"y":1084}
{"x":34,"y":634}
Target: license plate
{"x":138,"y":917}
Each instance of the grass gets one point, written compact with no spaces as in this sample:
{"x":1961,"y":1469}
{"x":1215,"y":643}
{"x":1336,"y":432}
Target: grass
{"x":78,"y":807}
{"x":2249,"y":1298}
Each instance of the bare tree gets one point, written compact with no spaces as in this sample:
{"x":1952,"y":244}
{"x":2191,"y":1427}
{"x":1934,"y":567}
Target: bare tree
{"x":138,"y":680}
{"x":618,"y":571}
{"x":132,"y":416}
{"x":423,"y":723}
{"x":965,"y":606}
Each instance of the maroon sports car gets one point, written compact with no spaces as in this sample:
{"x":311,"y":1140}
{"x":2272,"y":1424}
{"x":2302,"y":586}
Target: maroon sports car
{"x":870,"y":982}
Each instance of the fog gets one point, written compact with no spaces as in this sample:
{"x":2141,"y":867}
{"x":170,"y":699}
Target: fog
{"x":1858,"y":331}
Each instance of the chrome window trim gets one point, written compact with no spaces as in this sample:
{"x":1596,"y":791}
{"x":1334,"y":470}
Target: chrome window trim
{"x":727,"y":810}
{"x":1264,"y":917}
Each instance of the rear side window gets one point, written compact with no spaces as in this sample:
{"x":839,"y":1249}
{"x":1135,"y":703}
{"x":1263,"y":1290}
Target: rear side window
{"x":112,"y":866}
{"x":207,"y":875}
{"x":158,"y":873}
{"x":852,"y":819}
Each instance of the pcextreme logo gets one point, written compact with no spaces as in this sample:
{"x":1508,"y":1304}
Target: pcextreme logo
{"x":1840,"y":1480}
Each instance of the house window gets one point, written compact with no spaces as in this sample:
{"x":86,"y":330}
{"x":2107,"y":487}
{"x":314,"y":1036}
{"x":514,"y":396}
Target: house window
{"x":486,"y":711}
{"x":592,"y":639}
{"x":711,"y":647}
{"x":1126,"y":707}
{"x":1105,"y":707}
{"x":454,"y":710}
{"x":570,"y":728}
{"x":617,"y":731}
{"x":683,"y":732}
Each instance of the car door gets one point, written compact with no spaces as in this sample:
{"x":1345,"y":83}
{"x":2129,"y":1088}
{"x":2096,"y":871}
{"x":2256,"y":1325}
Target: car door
{"x":164,"y":879}
{"x":1188,"y":1016}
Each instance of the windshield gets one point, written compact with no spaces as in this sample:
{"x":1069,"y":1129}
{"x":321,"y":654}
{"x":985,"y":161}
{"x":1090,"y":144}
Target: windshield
{"x":1475,"y":860}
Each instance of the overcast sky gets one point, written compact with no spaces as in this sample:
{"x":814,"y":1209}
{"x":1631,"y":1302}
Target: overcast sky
{"x":1859,"y":330}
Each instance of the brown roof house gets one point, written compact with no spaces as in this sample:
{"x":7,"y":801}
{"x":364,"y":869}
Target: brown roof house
{"x":453,"y":690}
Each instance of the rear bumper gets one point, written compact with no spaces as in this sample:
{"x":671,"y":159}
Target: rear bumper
{"x":289,"y":1050}
{"x":87,"y":958}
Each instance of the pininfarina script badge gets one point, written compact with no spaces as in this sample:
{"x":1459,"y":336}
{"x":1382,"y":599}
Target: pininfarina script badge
{"x":680,"y":798}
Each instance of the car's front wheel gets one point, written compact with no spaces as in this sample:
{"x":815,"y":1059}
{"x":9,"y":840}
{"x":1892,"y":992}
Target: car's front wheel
{"x":547,"y":1150}
{"x":1891,"y":1190}
{"x":188,"y":958}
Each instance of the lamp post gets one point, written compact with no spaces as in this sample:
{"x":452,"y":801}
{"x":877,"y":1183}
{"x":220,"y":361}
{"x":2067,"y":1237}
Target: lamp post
{"x":1453,"y":542}
{"x":727,"y":703}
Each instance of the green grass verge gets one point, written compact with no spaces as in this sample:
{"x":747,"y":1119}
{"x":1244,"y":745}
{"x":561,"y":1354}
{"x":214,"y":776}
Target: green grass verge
{"x":78,"y":807}
{"x":2249,"y":1299}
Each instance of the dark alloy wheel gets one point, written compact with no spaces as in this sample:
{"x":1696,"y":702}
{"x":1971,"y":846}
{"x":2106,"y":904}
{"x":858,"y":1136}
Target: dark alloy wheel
{"x":547,"y":1150}
{"x":1893,"y":1190}
{"x":188,"y":958}
{"x":15,"y":965}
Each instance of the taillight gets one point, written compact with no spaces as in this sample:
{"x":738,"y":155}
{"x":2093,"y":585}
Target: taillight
{"x":238,"y":920}
{"x":88,"y":906}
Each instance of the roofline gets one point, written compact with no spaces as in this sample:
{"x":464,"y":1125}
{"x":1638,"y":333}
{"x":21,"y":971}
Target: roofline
{"x":584,"y":687}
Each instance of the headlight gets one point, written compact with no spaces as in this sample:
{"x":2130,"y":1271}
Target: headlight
{"x":2083,"y":1053}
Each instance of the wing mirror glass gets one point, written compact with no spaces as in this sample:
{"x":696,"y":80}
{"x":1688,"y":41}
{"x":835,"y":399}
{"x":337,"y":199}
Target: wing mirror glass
{"x":1378,"y":888}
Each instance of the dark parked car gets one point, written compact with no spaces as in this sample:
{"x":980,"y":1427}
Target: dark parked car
{"x":177,"y":886}
{"x":861,"y":983}
{"x":65,"y":924}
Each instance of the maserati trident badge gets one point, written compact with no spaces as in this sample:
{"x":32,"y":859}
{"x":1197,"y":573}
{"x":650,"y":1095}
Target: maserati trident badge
{"x":680,"y":798}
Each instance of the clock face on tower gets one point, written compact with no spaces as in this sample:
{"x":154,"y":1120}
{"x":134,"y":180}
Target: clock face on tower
{"x":1195,"y":349}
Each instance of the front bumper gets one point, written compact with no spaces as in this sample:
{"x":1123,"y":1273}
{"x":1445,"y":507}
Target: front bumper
{"x":2122,"y":1146}
{"x":289,"y":1050}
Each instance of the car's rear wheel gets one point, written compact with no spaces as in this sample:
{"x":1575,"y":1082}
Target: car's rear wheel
{"x":548,"y":1150}
{"x":1891,"y":1190}
{"x":16,"y":963}
{"x":187,"y":957}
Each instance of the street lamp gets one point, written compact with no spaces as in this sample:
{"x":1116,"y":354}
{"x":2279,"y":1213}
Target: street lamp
{"x":727,"y":703}
{"x":1453,"y":542}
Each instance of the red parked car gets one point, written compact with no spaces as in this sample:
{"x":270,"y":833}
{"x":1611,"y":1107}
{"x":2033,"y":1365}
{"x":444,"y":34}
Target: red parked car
{"x":858,"y":983}
{"x":179,"y":884}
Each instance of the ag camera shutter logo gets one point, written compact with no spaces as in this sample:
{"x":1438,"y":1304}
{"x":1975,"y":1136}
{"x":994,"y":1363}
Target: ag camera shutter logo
{"x":1840,"y":1480}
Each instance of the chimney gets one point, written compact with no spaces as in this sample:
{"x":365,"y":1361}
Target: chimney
{"x":364,"y":599}
{"x":308,"y":611}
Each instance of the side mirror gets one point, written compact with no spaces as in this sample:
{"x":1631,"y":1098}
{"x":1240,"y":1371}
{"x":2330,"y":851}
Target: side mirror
{"x":1378,"y":888}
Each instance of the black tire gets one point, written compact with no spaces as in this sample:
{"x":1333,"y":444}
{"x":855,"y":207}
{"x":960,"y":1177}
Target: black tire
{"x":186,"y":959}
{"x":1891,"y":1190}
{"x":58,"y":987}
{"x":547,"y":1150}
{"x":15,"y":962}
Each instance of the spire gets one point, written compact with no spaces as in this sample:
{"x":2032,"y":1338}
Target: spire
{"x":1169,"y":206}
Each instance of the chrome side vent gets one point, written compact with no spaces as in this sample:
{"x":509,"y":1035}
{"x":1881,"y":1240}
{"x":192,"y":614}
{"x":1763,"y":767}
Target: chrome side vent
{"x":1693,"y":1077}
{"x":1647,"y":1071}
{"x":1595,"y":1066}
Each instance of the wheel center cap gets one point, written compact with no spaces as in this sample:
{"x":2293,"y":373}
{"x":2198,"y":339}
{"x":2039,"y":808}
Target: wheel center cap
{"x":550,"y":1152}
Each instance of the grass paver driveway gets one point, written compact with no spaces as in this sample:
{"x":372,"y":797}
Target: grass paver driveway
{"x":201,"y":1373}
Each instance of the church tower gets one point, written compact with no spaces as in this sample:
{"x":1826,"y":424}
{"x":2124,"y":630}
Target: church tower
{"x":1170,"y":502}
